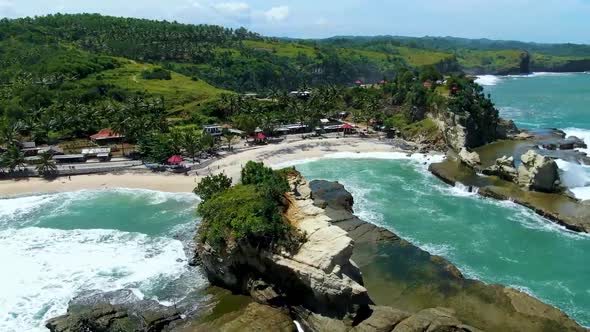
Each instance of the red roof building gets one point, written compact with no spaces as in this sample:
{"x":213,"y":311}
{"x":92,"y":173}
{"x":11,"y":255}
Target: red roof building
{"x":106,"y":134}
{"x":175,"y":160}
{"x":358,"y":82}
{"x":347,"y":126}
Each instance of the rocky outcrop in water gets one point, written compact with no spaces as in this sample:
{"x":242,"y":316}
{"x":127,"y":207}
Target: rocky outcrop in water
{"x":470,"y":159}
{"x":415,"y":281}
{"x":538,"y":173}
{"x":503,"y":168}
{"x":465,"y":131}
{"x":119,"y":311}
{"x":319,"y":284}
{"x":320,"y":276}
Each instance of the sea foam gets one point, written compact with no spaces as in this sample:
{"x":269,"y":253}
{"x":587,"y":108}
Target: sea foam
{"x":421,"y":158}
{"x":488,"y":80}
{"x":48,"y":267}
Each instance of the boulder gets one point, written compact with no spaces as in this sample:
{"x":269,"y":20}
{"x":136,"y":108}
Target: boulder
{"x":328,"y":193}
{"x":503,"y":168}
{"x":506,"y":129}
{"x":538,"y":173}
{"x":470,"y":159}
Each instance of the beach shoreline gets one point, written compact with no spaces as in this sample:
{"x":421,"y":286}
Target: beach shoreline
{"x":273,"y":155}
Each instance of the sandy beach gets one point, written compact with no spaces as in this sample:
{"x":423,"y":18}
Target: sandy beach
{"x":273,"y":155}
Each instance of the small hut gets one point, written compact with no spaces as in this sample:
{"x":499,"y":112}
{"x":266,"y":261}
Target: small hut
{"x":260,"y":138}
{"x":347,"y":128}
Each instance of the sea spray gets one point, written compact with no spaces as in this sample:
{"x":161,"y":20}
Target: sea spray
{"x":60,"y":245}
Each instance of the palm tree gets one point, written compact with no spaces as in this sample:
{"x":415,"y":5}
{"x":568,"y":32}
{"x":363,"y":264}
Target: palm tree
{"x":9,"y":132}
{"x":13,"y":159}
{"x":46,"y":166}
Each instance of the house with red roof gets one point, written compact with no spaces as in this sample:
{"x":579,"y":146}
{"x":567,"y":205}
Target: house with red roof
{"x":106,"y":136}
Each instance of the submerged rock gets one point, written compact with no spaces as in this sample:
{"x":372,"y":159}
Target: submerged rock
{"x":538,"y":173}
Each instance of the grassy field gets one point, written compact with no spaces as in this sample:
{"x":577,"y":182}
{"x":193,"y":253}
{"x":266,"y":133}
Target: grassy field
{"x":494,"y":61}
{"x":281,"y":48}
{"x":412,"y":56}
{"x":181,"y":93}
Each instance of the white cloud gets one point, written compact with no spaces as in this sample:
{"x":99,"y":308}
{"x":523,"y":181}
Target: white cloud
{"x":277,"y":14}
{"x":233,"y":8}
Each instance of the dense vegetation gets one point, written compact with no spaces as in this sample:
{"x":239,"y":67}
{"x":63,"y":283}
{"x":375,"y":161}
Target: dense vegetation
{"x":248,"y":212}
{"x":64,"y":77}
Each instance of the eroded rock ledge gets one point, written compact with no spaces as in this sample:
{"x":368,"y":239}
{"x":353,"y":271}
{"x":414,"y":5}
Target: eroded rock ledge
{"x":320,"y":285}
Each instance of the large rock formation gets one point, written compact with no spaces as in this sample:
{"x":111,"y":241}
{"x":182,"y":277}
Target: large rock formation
{"x":320,"y":276}
{"x":465,"y":131}
{"x":320,"y":284}
{"x":538,"y":173}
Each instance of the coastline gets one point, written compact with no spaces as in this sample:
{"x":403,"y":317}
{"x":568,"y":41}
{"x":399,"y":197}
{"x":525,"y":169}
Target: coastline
{"x":276,"y":155}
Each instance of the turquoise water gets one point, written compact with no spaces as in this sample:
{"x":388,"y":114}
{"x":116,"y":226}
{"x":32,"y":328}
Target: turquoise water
{"x":493,"y":241}
{"x":59,"y":245}
{"x":549,"y":100}
{"x":542,"y":100}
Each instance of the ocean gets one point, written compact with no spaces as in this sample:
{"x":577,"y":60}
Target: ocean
{"x":548,"y":100}
{"x":55,"y":246}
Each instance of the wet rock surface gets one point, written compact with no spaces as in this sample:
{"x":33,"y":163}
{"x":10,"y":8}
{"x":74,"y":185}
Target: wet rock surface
{"x":118,"y":311}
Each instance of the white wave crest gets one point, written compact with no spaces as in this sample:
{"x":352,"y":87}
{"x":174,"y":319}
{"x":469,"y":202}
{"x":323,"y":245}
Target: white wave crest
{"x":422,"y":158}
{"x":49,"y":267}
{"x":487,"y":80}
{"x":418,"y":157}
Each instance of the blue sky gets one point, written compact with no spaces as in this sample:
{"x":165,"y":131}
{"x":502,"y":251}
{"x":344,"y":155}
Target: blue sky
{"x":527,"y":20}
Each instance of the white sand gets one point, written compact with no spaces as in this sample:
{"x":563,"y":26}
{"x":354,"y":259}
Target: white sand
{"x":280,"y":154}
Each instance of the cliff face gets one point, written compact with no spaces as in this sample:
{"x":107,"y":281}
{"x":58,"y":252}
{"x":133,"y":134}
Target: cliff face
{"x":464,"y":131}
{"x":320,"y":276}
{"x":319,"y":284}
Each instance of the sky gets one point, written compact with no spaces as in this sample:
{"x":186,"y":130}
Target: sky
{"x":525,"y":20}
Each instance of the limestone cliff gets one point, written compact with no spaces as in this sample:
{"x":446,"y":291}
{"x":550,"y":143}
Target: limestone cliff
{"x":320,"y":284}
{"x":320,"y":276}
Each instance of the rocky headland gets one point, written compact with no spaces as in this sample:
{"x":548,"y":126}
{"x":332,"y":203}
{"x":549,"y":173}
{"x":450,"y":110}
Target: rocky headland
{"x":523,"y":169}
